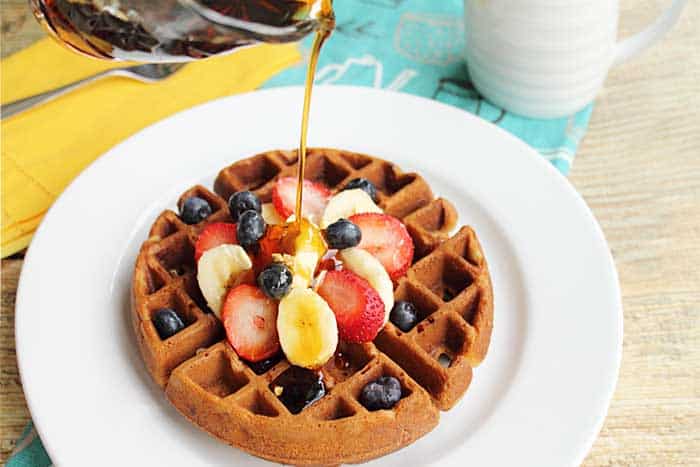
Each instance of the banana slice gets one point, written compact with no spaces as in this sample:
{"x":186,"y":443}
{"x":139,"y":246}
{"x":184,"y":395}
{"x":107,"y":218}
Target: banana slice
{"x":306,"y":328}
{"x":270,"y":215}
{"x":369,"y":268}
{"x":218,"y":269}
{"x":347,"y":203}
{"x":309,"y":248}
{"x":304,"y":266}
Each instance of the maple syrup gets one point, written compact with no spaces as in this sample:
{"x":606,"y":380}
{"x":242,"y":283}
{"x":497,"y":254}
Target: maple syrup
{"x":297,"y":388}
{"x":173,"y":30}
{"x":326,"y":27}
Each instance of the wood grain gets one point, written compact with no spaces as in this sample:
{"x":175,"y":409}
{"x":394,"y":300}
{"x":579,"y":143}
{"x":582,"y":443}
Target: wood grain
{"x":639,"y":170}
{"x":14,"y":414}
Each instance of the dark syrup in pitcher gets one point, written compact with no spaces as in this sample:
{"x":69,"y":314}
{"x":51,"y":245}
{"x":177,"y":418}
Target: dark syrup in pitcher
{"x":172,"y":30}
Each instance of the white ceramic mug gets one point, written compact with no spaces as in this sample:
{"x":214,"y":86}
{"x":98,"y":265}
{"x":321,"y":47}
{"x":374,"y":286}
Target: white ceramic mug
{"x":549,"y":58}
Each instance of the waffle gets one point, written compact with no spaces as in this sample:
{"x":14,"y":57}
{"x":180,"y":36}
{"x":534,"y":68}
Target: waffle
{"x":205,"y":380}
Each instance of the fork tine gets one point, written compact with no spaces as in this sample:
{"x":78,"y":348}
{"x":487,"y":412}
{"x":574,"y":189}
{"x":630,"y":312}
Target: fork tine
{"x":155,"y":70}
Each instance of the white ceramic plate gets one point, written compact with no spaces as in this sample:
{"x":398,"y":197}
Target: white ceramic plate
{"x":540,"y":397}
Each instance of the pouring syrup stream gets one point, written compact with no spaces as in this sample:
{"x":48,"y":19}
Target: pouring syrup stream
{"x":327,"y":24}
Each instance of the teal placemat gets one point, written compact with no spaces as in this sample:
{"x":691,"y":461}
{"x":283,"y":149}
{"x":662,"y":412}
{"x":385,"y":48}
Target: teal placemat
{"x":29,"y":451}
{"x":412,"y":46}
{"x":416,"y":46}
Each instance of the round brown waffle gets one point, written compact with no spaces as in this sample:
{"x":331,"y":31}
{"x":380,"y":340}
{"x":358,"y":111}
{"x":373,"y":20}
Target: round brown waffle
{"x":206,"y":381}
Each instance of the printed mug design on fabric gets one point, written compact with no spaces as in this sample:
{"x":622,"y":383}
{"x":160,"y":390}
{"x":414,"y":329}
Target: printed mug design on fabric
{"x":460,"y":92}
{"x":366,"y":68}
{"x":356,"y":29}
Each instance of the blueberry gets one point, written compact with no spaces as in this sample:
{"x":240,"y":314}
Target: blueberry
{"x":250,"y":228}
{"x":194,"y":210}
{"x":382,"y":393}
{"x":264,"y":365}
{"x":275,"y":280}
{"x":241,"y":202}
{"x":343,"y":234}
{"x":298,"y":388}
{"x":167,"y":322}
{"x":364,"y":185}
{"x":404,"y":315}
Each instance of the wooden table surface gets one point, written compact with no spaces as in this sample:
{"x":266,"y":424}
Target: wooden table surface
{"x":639,"y":170}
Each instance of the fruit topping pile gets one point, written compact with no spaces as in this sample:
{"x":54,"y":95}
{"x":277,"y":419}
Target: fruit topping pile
{"x":292,"y":288}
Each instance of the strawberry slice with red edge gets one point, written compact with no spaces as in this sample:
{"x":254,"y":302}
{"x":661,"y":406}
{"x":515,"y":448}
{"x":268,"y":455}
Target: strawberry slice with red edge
{"x":358,"y":308}
{"x":250,"y":322}
{"x":387,"y":239}
{"x":315,"y":198}
{"x":213,"y":235}
{"x":326,"y":264}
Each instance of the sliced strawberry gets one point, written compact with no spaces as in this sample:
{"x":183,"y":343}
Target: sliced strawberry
{"x":358,"y":309}
{"x":250,"y":321}
{"x":284,"y":198}
{"x":213,"y":235}
{"x":387,"y":239}
{"x":327,"y":264}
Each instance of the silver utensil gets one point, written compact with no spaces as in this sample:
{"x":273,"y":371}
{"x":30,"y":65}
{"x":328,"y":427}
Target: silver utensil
{"x":149,"y":73}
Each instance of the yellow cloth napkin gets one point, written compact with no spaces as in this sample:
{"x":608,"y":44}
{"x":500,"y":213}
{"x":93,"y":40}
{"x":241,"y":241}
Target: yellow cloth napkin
{"x":45,"y":148}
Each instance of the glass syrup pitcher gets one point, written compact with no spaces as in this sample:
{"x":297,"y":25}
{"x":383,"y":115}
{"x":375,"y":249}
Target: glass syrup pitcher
{"x":175,"y":30}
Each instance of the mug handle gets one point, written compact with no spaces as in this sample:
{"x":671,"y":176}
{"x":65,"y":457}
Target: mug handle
{"x":633,"y":45}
